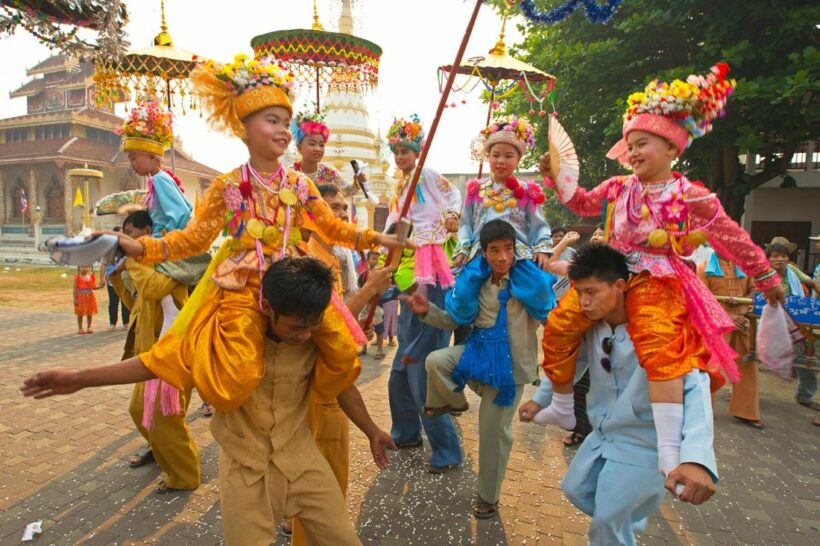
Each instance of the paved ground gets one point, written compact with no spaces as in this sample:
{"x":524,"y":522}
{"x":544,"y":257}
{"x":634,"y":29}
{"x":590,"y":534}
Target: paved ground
{"x":64,"y":461}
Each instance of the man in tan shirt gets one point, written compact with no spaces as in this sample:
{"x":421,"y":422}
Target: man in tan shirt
{"x":494,"y":420}
{"x":269,"y":466}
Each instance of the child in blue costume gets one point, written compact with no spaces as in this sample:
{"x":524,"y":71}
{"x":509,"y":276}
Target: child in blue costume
{"x":502,"y":196}
{"x":147,"y":134}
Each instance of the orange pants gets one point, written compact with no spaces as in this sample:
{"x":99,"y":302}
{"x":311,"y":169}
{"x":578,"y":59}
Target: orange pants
{"x":667,"y":344}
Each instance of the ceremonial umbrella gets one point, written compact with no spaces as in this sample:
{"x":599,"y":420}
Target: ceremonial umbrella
{"x":148,"y":72}
{"x":323,"y":59}
{"x":500,"y":73}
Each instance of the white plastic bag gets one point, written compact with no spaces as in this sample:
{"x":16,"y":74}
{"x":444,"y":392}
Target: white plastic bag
{"x":774,"y":341}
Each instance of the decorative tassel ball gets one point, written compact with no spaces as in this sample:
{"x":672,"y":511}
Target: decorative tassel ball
{"x":512,"y":203}
{"x":488,"y":204}
{"x":644,"y":212}
{"x":658,"y":238}
{"x":696,"y":238}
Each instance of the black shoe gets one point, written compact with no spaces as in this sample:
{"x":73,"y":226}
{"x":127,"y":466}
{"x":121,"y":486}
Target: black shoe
{"x":409,"y":445}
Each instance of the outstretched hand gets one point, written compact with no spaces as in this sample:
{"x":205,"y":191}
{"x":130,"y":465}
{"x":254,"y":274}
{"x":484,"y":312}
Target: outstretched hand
{"x":379,"y":442}
{"x":417,"y":303}
{"x":50,"y":382}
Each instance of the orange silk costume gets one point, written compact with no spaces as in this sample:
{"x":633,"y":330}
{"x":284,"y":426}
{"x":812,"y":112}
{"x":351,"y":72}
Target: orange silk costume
{"x":216,"y":342}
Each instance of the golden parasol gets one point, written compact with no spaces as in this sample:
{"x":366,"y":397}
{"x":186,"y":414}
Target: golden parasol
{"x":500,"y":73}
{"x":149,"y":72}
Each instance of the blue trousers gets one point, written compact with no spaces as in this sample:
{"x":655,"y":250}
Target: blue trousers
{"x":407,"y":387}
{"x":619,"y":497}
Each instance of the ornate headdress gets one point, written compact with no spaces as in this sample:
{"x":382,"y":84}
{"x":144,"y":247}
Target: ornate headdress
{"x":680,"y":111}
{"x":308,"y":123}
{"x":407,"y":133}
{"x":231,"y":92}
{"x":512,"y":130}
{"x":147,"y":129}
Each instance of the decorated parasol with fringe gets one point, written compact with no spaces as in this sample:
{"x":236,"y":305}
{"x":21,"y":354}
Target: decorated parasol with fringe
{"x":500,"y":74}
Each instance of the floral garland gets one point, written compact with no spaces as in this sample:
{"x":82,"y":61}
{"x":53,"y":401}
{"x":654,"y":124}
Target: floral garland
{"x":521,"y":127}
{"x":512,"y":194}
{"x":309,"y":123}
{"x":245,"y":73}
{"x":694,"y":103}
{"x":406,"y":131}
{"x":148,"y":120}
{"x":595,"y":12}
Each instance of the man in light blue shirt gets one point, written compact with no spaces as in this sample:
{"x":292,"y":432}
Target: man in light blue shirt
{"x":614,"y":477}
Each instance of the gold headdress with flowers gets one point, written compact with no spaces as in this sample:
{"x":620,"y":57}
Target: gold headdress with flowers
{"x":231,"y":92}
{"x":147,"y":129}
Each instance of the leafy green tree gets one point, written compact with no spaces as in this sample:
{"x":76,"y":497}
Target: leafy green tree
{"x":771,"y":47}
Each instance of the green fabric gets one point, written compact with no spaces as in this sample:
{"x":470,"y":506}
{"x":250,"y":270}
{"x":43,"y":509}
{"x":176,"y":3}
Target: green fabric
{"x":404,"y":274}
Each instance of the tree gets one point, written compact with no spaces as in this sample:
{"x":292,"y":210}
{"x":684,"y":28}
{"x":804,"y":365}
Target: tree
{"x":769,"y":45}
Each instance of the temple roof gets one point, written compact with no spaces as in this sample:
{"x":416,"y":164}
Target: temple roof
{"x":96,"y":154}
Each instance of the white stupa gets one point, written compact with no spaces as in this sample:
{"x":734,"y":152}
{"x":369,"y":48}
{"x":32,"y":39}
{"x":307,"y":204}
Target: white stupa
{"x":351,"y":137}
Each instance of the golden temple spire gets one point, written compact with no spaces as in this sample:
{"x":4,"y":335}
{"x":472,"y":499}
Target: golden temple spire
{"x":163,"y":38}
{"x":316,"y":24}
{"x":500,"y":48}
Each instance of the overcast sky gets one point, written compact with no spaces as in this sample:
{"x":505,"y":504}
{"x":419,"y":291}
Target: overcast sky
{"x":416,"y":38}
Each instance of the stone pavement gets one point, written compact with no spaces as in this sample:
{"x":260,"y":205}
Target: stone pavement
{"x":64,"y":461}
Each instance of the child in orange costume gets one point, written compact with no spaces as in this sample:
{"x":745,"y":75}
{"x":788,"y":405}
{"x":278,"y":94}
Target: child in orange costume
{"x":216,"y":342}
{"x":654,"y":217}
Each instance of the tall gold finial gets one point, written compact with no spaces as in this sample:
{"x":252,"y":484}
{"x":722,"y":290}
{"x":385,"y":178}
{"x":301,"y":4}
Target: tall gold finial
{"x":163,"y":38}
{"x":316,"y":24}
{"x":500,"y":48}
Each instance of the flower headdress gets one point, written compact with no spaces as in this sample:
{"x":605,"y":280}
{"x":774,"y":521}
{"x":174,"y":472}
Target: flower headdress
{"x":680,"y":111}
{"x":147,"y":129}
{"x":233,"y":91}
{"x":309,"y":123}
{"x":407,"y":133}
{"x":512,"y":130}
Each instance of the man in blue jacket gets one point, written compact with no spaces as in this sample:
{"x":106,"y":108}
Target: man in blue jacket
{"x":614,"y":477}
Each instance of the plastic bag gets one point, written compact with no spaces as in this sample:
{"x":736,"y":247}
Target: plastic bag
{"x":774,"y":341}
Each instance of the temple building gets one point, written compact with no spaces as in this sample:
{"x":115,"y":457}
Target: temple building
{"x":61,"y":130}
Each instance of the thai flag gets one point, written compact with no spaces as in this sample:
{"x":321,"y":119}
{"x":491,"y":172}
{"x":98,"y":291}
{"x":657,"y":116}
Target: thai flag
{"x":23,"y":202}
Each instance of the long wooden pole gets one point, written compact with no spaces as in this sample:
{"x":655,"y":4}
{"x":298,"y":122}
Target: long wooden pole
{"x":489,"y":115}
{"x":445,"y":95}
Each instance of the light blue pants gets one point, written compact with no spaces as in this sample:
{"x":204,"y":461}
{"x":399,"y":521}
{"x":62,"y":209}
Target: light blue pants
{"x":619,"y":497}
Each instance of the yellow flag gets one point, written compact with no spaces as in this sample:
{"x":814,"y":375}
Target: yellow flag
{"x":78,"y":198}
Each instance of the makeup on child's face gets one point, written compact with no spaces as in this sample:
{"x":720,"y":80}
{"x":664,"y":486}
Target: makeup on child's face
{"x":500,"y":256}
{"x":650,"y":156}
{"x":405,"y":158}
{"x":268,"y":131}
{"x":312,"y":148}
{"x":503,"y":160}
{"x":143,"y":163}
{"x":598,"y":298}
